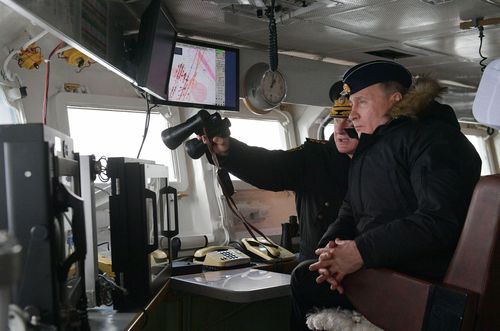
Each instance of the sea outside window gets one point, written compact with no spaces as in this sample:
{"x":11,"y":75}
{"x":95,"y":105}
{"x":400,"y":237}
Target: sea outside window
{"x":119,"y":133}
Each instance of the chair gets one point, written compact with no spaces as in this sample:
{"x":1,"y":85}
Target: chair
{"x":469,"y":297}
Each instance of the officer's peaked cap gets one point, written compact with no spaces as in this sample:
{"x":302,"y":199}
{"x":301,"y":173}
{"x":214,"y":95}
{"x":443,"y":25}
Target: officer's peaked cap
{"x":336,"y":90}
{"x":373,"y":72}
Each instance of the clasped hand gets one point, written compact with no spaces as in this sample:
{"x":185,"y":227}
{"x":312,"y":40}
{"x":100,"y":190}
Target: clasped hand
{"x":335,"y":261}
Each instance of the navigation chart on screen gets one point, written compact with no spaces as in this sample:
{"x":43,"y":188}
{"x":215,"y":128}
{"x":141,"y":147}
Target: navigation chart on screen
{"x":197,"y":75}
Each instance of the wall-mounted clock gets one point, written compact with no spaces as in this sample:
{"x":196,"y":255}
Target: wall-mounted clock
{"x":264,"y":89}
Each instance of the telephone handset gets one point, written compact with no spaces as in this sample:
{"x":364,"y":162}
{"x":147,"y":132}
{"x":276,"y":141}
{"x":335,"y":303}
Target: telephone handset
{"x":265,"y":251}
{"x":220,"y":257}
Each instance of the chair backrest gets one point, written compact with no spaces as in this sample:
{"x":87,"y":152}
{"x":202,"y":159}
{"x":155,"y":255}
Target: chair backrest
{"x":475,"y":266}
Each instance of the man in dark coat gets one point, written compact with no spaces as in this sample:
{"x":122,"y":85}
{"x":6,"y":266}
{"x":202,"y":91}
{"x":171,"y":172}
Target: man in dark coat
{"x":316,"y":171}
{"x":410,"y":184}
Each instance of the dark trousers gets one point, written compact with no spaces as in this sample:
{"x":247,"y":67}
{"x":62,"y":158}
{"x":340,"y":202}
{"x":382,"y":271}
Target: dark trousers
{"x":307,"y":294}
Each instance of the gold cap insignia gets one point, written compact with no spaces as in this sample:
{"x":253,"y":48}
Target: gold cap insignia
{"x":346,"y":90}
{"x":341,"y":107}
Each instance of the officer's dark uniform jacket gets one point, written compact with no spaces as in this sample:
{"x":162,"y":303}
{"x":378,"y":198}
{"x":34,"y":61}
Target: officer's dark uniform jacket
{"x":410,"y":185}
{"x":315,"y":171}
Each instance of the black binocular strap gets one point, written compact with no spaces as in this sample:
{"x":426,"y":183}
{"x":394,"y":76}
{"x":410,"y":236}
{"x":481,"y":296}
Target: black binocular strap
{"x":230,"y":202}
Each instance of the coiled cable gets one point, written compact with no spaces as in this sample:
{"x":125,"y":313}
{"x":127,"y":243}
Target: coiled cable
{"x":483,"y":58}
{"x":273,"y":38}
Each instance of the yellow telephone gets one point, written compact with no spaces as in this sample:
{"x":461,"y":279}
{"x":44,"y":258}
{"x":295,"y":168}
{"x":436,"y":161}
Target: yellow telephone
{"x":264,"y":250}
{"x":220,"y":257}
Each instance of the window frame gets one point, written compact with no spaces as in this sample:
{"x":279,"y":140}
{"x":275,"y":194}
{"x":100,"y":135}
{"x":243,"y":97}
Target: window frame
{"x":63,"y":100}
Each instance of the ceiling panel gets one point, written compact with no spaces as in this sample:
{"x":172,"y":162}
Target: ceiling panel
{"x":313,"y":37}
{"x":208,"y":18}
{"x":464,"y":43}
{"x":404,"y":20}
{"x":323,"y":9}
{"x":12,"y":24}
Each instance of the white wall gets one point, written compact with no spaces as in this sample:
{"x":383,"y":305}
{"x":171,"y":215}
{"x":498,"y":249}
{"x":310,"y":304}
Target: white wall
{"x":97,"y":79}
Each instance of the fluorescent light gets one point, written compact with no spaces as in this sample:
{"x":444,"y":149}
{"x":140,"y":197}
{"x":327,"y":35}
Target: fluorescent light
{"x":493,"y":2}
{"x":436,"y":2}
{"x":302,"y":55}
{"x":457,"y":84}
{"x":317,"y":57}
{"x":217,"y":41}
{"x":210,"y":40}
{"x":338,"y":61}
{"x":256,"y":3}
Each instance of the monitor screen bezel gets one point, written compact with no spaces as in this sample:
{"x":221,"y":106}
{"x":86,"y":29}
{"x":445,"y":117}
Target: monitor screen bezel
{"x":148,"y":35}
{"x":201,"y":105}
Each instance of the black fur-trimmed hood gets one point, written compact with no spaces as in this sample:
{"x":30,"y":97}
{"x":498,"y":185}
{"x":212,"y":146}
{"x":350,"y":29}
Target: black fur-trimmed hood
{"x":420,"y":104}
{"x":418,"y":98}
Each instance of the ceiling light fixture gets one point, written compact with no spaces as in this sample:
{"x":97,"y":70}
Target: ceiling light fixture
{"x":317,"y":57}
{"x":255,"y":3}
{"x":436,"y":2}
{"x":216,"y":41}
{"x":493,"y":2}
{"x":338,"y":61}
{"x":457,"y":84}
{"x":303,"y":55}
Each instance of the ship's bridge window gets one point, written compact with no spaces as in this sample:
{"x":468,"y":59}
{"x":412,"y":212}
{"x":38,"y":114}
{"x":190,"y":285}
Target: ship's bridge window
{"x":328,"y":131}
{"x":262,"y":133}
{"x":119,"y":133}
{"x":114,"y":127}
{"x":266,"y":210}
{"x":271,"y":131}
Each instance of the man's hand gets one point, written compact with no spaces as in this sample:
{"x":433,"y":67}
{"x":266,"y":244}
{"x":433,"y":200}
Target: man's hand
{"x":325,"y":253}
{"x":336,"y":260}
{"x":220,"y":145}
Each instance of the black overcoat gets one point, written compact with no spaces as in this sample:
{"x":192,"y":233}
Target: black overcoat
{"x":410,"y":185}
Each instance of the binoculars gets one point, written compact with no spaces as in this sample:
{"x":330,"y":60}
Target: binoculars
{"x":201,"y":124}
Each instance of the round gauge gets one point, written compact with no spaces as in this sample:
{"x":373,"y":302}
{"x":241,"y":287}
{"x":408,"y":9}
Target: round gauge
{"x":273,"y":86}
{"x":264,"y":89}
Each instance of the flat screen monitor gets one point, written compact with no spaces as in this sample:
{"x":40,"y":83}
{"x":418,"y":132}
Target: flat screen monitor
{"x":204,"y":76}
{"x":155,"y":49}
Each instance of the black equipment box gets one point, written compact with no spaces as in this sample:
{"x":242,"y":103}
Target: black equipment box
{"x":137,"y":203}
{"x":40,"y":205}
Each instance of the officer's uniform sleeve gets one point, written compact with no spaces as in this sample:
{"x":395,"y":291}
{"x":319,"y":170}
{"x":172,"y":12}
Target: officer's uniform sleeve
{"x":275,"y":170}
